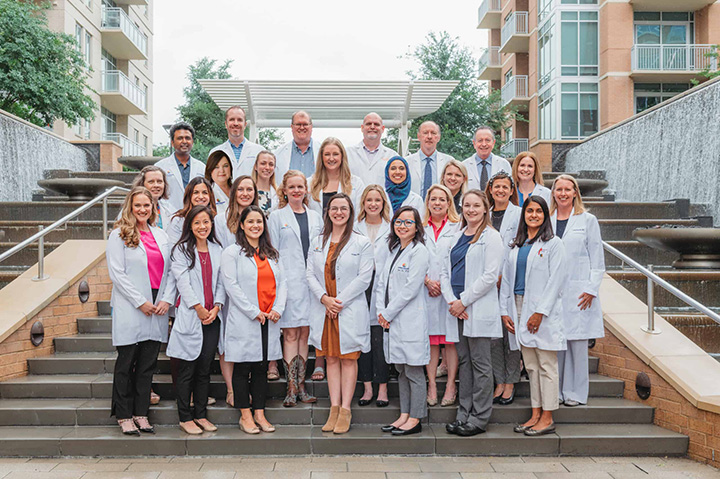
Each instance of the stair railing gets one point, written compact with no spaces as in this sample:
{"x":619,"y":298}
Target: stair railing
{"x":652,"y":280}
{"x":42,"y":231}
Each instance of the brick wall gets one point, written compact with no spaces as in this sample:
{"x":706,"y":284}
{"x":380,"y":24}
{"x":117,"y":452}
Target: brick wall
{"x":59,"y":319}
{"x":672,"y":410}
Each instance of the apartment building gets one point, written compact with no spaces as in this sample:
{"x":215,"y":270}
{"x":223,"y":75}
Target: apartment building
{"x":575,"y":67}
{"x":115,"y":37}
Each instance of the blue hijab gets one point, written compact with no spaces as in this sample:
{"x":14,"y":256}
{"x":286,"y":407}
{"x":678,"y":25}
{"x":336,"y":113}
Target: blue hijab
{"x":397,"y":193}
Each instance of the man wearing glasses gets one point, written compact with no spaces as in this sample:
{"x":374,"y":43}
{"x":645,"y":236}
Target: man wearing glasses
{"x":298,"y":154}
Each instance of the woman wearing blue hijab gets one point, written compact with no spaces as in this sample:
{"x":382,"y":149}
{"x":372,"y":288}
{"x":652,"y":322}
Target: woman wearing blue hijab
{"x":397,"y":186}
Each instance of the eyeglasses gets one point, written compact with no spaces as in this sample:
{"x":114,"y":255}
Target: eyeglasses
{"x":407,"y":223}
{"x":339,"y":208}
{"x":302,"y":125}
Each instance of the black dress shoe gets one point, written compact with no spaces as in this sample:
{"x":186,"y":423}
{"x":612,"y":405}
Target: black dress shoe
{"x":381,"y":403}
{"x":388,"y":428}
{"x":453,"y":426}
{"x":505,"y":401}
{"x":540,"y":432}
{"x":406,"y":432}
{"x":364,"y":402}
{"x":469,"y":429}
{"x":496,"y":399}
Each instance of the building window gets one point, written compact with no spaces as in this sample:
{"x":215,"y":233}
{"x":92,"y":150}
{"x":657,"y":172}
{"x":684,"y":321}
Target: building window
{"x":88,"y":50}
{"x":109,"y":63}
{"x":547,"y":115}
{"x":79,"y":36}
{"x":508,"y":76}
{"x":579,"y":2}
{"x":545,"y":54}
{"x":648,"y":95}
{"x":666,"y":28}
{"x":88,"y":3}
{"x":145,"y":143}
{"x":579,"y":110}
{"x":579,"y":43}
{"x":87,"y":129}
{"x":109,"y":121}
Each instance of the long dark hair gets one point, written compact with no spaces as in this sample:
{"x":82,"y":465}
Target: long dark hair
{"x":545,"y":232}
{"x":328,"y":228}
{"x":265,"y":248}
{"x":187,"y":242}
{"x":501,"y":175}
{"x":393,"y":239}
{"x":187,"y":197}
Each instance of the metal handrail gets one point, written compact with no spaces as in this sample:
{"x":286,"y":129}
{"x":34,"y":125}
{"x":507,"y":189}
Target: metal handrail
{"x":40,"y":235}
{"x":653,"y":279}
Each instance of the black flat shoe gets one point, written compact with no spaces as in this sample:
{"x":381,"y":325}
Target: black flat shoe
{"x":496,"y":399}
{"x":468,"y":429}
{"x":381,"y":403}
{"x":388,"y":428}
{"x":505,"y":401}
{"x":452,"y":427}
{"x":521,"y":429}
{"x":364,"y":402}
{"x":407,"y":432}
{"x":540,"y":432}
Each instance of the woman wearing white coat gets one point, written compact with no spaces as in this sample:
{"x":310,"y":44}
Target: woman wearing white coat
{"x":263,"y":174}
{"x":398,"y":186}
{"x":244,"y":192}
{"x":198,"y":193}
{"x":582,"y":314}
{"x":403,"y":313}
{"x":219,"y":172}
{"x":528,"y":178}
{"x":530,"y":305}
{"x":332,"y":175}
{"x":257,"y":292}
{"x":196,"y":329}
{"x":138,"y":258}
{"x":292,"y":228}
{"x":339,"y":270}
{"x":154,"y":179}
{"x":469,"y":277}
{"x":505,"y":217}
{"x":441,"y":223}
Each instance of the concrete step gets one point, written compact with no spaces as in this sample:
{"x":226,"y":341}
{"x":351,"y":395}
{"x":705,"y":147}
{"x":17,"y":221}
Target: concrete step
{"x":101,"y":342}
{"x":604,"y":439}
{"x":104,"y":308}
{"x":20,"y":230}
{"x":9,"y":274}
{"x":27,"y":256}
{"x":97,"y":325}
{"x":125,"y":176}
{"x":631,"y":210}
{"x":96,"y":412}
{"x":639,"y":252}
{"x":100,"y":386}
{"x":621,"y":229}
{"x":54,"y":210}
{"x":702,"y":285}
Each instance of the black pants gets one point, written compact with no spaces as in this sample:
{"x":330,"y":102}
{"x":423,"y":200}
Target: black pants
{"x":372,"y":365}
{"x":132,"y":379}
{"x":194,"y":376}
{"x":250,"y":378}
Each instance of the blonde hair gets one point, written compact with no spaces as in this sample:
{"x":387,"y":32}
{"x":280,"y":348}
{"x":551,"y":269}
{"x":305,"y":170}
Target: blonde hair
{"x":486,"y":219}
{"x":385,"y":213}
{"x":254,"y":173}
{"x":452,"y":214}
{"x":577,"y":201}
{"x":282,"y":197}
{"x":320,"y":178}
{"x":460,"y":167}
{"x":127,"y":223}
{"x":516,"y":164}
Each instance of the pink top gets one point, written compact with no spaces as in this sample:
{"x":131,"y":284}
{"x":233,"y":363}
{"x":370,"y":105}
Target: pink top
{"x":155,"y":260}
{"x":437,"y":229}
{"x":206,"y":268}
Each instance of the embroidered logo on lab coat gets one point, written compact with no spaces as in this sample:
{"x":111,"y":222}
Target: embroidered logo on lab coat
{"x":404,"y":268}
{"x":541,"y":253}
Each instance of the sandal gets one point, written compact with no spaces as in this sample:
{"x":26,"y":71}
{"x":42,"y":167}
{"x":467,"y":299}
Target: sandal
{"x":128,"y":427}
{"x":318,"y":374}
{"x":143,"y":424}
{"x":273,"y":374}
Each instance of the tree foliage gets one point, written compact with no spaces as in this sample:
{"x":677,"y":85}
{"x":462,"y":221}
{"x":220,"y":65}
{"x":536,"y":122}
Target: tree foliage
{"x":470,"y":105}
{"x":43,"y":76}
{"x":710,"y":73}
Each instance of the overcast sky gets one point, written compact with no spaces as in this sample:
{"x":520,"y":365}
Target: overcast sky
{"x":295,"y":40}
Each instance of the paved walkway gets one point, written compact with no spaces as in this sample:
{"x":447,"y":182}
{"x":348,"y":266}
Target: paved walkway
{"x":356,"y":467}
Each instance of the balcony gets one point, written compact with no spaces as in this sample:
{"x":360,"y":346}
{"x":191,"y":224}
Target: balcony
{"x":515,"y":35}
{"x":670,"y":5}
{"x":129,"y":147}
{"x":131,"y":2}
{"x":490,"y":65}
{"x":121,"y":37}
{"x":513,"y":148}
{"x":515,"y":92}
{"x":120,"y":95}
{"x":670,"y":62}
{"x":489,"y":14}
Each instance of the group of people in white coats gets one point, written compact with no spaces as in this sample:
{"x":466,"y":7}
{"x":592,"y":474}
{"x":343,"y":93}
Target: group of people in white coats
{"x":370,"y":276}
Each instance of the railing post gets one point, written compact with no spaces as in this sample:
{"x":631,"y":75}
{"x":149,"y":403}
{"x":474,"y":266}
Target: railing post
{"x":651,"y":305}
{"x":105,"y":217}
{"x":41,"y":276}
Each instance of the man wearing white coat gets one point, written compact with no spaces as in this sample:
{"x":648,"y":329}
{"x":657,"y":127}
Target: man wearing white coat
{"x":239,"y":149}
{"x":427,"y":163}
{"x":180,"y":167}
{"x":299,"y":153}
{"x":367,"y":159}
{"x":483,"y":165}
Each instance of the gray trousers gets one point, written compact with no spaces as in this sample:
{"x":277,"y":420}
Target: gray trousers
{"x":475,"y":394}
{"x":505,"y":362}
{"x":573,"y":371}
{"x":413,"y":390}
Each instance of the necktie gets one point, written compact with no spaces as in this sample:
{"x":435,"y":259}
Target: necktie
{"x":427,"y":177}
{"x":483,"y":175}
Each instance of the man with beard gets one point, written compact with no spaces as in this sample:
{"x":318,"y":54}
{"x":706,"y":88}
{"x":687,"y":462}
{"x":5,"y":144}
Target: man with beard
{"x":180,"y":167}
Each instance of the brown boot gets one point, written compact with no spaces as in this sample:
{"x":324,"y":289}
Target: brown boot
{"x":343,"y":422}
{"x":290,"y":376}
{"x":303,"y":395}
{"x":332,"y":419}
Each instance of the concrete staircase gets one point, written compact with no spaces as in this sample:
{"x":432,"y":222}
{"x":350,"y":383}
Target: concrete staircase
{"x":63,"y":408}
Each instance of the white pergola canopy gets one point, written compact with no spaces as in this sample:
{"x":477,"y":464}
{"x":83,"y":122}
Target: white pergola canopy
{"x":332,"y":104}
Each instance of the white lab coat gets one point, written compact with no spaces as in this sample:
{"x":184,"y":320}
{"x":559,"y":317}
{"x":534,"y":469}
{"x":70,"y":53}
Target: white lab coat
{"x":408,"y":340}
{"x":584,"y":250}
{"x":413,"y":200}
{"x":128,"y":270}
{"x":285,"y":237}
{"x":417,"y":166}
{"x":483,"y":263}
{"x":221,"y":199}
{"x":380,"y":251}
{"x":174,"y":230}
{"x":222,"y":232}
{"x":284,"y":154}
{"x":353,"y":273}
{"x":186,"y":337}
{"x":243,"y":165}
{"x":498,"y":164}
{"x":509,"y":225}
{"x":175,"y":186}
{"x":438,"y":317}
{"x":371,"y":173}
{"x":540,"y":191}
{"x":544,"y":279}
{"x":355,"y":195}
{"x":242,"y":335}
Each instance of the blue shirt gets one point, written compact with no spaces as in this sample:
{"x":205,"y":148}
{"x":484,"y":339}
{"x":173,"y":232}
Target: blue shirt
{"x":457,"y":261}
{"x":304,"y":162}
{"x":521,"y":268}
{"x":488,"y":167}
{"x":184,"y":170}
{"x":237,"y":150}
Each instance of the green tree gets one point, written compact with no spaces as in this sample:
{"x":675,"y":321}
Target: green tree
{"x":205,"y":116}
{"x":470,"y":105}
{"x":713,"y":69}
{"x":43,"y":76}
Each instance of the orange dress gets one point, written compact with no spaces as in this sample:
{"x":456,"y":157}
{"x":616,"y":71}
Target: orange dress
{"x":330,"y":341}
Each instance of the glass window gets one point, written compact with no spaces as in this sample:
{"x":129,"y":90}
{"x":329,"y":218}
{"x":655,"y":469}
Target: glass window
{"x":579,"y":110}
{"x":546,"y":115}
{"x":569,"y":115}
{"x":109,"y":121}
{"x":87,"y":129}
{"x":579,"y":44}
{"x":646,"y":16}
{"x":579,"y":2}
{"x":647,"y":34}
{"x":675,"y":16}
{"x":674,"y":34}
{"x":648,"y":95}
{"x":508,"y":76}
{"x":588,"y":114}
{"x":545,"y":54}
{"x":88,"y":51}
{"x":108,"y":61}
{"x":79,"y":36}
